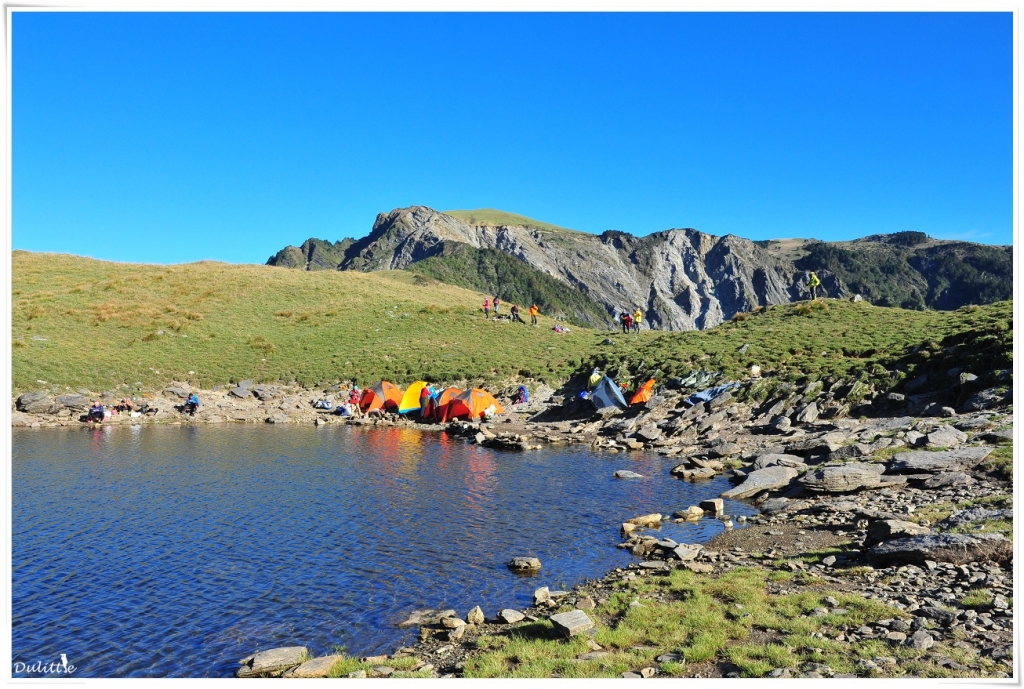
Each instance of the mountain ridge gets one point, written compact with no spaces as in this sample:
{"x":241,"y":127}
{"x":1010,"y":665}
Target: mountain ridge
{"x":684,"y":279}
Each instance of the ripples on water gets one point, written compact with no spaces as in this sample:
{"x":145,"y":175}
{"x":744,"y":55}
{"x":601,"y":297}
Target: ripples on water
{"x":176,"y":551}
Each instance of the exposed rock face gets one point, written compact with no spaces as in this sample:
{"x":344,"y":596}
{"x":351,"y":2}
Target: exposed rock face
{"x":844,"y":478}
{"x":936,"y":462}
{"x":684,"y":279}
{"x":37,"y":402}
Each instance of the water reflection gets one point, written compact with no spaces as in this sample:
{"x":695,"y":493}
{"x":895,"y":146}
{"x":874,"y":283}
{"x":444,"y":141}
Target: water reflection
{"x":174,"y":551}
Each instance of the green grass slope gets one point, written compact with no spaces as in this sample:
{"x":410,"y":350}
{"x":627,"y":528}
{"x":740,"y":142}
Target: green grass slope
{"x":80,"y":322}
{"x":494,"y":217}
{"x":514,"y":281}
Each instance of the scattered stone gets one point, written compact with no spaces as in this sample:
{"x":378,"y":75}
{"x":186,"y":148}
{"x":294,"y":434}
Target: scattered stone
{"x":541,"y":595}
{"x":648,"y":672}
{"x":699,"y":567}
{"x":947,"y":547}
{"x":769,"y":478}
{"x":982,"y":400}
{"x":510,"y":616}
{"x":593,"y":655}
{"x":888,"y":529}
{"x":524,"y":564}
{"x":586,"y":603}
{"x":623,"y":473}
{"x":691,"y":512}
{"x":714,"y":506}
{"x":646,"y":520}
{"x":357,"y":674}
{"x":475,"y":616}
{"x":383,"y":670}
{"x":317,"y":667}
{"x":571,"y":623}
{"x":921,"y":640}
{"x":937,"y":462}
{"x":843,"y":478}
{"x":776,"y":459}
{"x":274,"y":661}
{"x":945,"y":436}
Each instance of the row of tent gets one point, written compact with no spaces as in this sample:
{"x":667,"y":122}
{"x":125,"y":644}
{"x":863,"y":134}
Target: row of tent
{"x":440,"y":405}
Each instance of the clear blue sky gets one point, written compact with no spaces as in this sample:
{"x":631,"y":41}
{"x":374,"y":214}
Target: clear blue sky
{"x":167,"y":138}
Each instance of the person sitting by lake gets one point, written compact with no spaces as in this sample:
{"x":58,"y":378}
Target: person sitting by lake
{"x":125,"y":405}
{"x":96,"y":412}
{"x":192,"y":404}
{"x":344,"y":410}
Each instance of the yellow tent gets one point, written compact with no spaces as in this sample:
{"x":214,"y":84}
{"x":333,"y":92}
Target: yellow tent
{"x":411,"y":398}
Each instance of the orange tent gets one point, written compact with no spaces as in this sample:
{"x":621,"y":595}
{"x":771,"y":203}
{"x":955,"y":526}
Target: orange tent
{"x":441,"y":403}
{"x":644,"y":393}
{"x":383,"y":394}
{"x":471,"y":405}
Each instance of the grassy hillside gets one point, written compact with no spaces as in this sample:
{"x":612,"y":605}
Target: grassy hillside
{"x":493,"y":217}
{"x":826,"y":339}
{"x":80,"y":322}
{"x":514,"y":281}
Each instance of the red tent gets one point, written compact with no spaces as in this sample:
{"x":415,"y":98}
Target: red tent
{"x":383,"y":394}
{"x":471,"y":405}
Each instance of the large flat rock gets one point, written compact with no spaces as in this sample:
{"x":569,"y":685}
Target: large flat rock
{"x":317,"y":667}
{"x":769,"y":478}
{"x":947,"y":547}
{"x":843,"y":478}
{"x":571,"y":623}
{"x":934,"y":462}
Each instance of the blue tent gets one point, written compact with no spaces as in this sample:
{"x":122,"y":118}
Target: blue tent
{"x":606,"y":394}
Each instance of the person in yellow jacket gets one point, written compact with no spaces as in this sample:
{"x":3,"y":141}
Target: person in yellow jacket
{"x":638,"y":318}
{"x":595,"y":378}
{"x":533,"y":314}
{"x":813,"y":283}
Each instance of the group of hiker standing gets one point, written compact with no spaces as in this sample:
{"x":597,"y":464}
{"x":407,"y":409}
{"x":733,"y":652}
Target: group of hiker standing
{"x":631,"y":321}
{"x":514,"y":311}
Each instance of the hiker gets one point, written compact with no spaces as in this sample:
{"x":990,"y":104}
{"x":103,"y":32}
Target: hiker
{"x":148,"y":410}
{"x":191,"y":404}
{"x":515,"y":314}
{"x":497,"y":303}
{"x":638,"y":317}
{"x":522,"y":396}
{"x":533,"y":313}
{"x":812,"y":283}
{"x":353,"y":397}
{"x":96,"y":412}
{"x":622,"y":318}
{"x":424,"y":399}
{"x":487,"y":307}
{"x":629,"y":322}
{"x":595,"y":378}
{"x":125,"y":405}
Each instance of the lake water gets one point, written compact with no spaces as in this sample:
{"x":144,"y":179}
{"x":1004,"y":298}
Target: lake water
{"x":176,"y":551}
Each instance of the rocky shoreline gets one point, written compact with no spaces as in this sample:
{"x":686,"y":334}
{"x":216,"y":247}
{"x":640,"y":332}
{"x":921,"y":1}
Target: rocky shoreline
{"x":906,"y":504}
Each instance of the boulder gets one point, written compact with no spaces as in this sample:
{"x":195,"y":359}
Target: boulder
{"x":947,"y":547}
{"x":524,"y":564}
{"x":686,"y":552}
{"x":35,"y":402}
{"x":271,"y":662}
{"x":940,"y":615}
{"x":510,"y":616}
{"x":624,"y":473}
{"x":945,"y":436}
{"x":695,"y":474}
{"x":714,"y":505}
{"x":776,"y":459}
{"x":691,"y":512}
{"x":982,"y":399}
{"x":541,"y":595}
{"x":179,"y":392}
{"x":475,"y":616}
{"x":317,"y":667}
{"x":265,"y":392}
{"x":646,"y":520}
{"x":73,"y":402}
{"x":808,"y":414}
{"x":843,"y":478}
{"x":947,"y":478}
{"x":571,"y":623}
{"x":768,"y":478}
{"x":972,"y":514}
{"x":649,"y":432}
{"x":888,"y":529}
{"x":936,"y":462}
{"x":240,"y":392}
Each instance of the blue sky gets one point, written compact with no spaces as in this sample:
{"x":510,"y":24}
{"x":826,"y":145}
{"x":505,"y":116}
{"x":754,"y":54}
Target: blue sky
{"x":167,"y":138}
